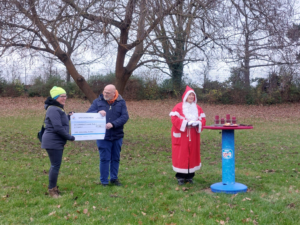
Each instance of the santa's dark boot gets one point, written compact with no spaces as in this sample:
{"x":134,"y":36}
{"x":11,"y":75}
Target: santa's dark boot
{"x":180,"y":181}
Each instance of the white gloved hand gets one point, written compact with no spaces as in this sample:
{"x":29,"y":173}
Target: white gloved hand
{"x":195,"y":123}
{"x":191,"y":122}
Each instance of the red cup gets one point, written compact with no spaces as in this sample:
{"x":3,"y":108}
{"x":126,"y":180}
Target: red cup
{"x":217,"y":120}
{"x":228,"y":118}
{"x":234,"y":120}
{"x":222,"y":121}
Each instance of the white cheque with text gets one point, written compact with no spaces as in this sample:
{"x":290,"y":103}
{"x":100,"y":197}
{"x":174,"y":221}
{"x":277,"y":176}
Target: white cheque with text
{"x":88,"y":126}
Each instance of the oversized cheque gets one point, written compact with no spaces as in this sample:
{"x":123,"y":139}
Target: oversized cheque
{"x":88,"y":126}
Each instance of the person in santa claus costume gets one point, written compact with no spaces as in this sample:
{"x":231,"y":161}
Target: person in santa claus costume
{"x":188,"y":120}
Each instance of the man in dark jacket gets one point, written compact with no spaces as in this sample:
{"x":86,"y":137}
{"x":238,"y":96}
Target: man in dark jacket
{"x":113,"y":106}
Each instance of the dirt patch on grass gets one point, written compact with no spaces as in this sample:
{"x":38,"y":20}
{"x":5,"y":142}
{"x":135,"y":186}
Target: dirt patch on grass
{"x":155,"y":109}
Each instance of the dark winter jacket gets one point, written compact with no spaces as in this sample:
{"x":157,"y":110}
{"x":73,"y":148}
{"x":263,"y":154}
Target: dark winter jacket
{"x":116,"y":114}
{"x":57,"y":126}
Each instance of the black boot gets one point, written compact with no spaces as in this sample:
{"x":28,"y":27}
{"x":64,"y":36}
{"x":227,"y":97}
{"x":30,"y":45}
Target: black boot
{"x":180,"y":181}
{"x":190,"y":181}
{"x":116,"y":182}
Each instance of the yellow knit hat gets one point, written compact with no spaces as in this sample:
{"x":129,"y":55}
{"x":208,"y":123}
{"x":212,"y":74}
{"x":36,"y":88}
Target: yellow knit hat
{"x":56,"y":91}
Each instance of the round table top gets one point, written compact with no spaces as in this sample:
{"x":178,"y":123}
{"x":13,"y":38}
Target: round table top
{"x":213,"y":127}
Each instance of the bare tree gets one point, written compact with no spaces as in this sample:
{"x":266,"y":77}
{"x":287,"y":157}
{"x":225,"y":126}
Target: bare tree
{"x":125,"y":22}
{"x":183,"y":36}
{"x":45,"y":26}
{"x":255,"y":33}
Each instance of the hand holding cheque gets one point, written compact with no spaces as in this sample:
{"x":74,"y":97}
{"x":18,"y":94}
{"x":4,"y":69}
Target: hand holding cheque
{"x":108,"y":125}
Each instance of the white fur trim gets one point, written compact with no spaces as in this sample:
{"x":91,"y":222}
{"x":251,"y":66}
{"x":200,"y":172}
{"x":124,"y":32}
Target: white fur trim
{"x":183,"y":125}
{"x":187,"y":94}
{"x":199,"y":127}
{"x":176,"y":114}
{"x":192,"y":170}
{"x":202,"y":115}
{"x":177,"y":135}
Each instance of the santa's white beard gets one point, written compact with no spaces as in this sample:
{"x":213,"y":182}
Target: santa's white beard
{"x":190,"y":111}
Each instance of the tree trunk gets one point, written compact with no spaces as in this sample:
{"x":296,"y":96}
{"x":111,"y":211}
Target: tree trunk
{"x":177,"y":74}
{"x":68,"y":76}
{"x":80,"y":81}
{"x":247,"y":66}
{"x":121,"y":80}
{"x":122,"y":74}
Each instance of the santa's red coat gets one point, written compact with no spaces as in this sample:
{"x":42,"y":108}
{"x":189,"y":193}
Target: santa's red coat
{"x":186,"y":139}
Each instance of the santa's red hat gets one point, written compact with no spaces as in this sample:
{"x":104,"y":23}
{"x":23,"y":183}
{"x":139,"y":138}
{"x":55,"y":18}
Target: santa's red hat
{"x":188,"y":90}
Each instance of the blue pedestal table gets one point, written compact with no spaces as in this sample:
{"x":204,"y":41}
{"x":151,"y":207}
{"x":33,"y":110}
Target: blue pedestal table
{"x":228,"y":184}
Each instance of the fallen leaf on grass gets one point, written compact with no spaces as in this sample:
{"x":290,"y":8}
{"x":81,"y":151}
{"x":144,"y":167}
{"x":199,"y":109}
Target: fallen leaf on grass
{"x":52,"y":213}
{"x":85,"y":211}
{"x":222,"y":222}
{"x":94,"y":207}
{"x":233,"y":196}
{"x":269,"y":171}
{"x":114,"y":196}
{"x":291,"y":205}
{"x":171,"y":213}
{"x":246,"y":220}
{"x":177,"y":189}
{"x":246,"y":199}
{"x":144,"y":214}
{"x":58,"y":206}
{"x":194,"y":215}
{"x":185,"y":188}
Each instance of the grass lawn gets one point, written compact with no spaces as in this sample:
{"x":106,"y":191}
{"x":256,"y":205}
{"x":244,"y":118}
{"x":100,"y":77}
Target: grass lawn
{"x":267,"y":161}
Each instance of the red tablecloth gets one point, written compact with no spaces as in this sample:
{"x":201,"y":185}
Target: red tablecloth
{"x":228,"y":127}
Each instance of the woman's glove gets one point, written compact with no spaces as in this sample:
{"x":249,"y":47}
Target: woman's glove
{"x":70,"y":114}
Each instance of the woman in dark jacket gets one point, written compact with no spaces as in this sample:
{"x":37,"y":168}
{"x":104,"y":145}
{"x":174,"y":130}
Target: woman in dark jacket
{"x":56,"y":134}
